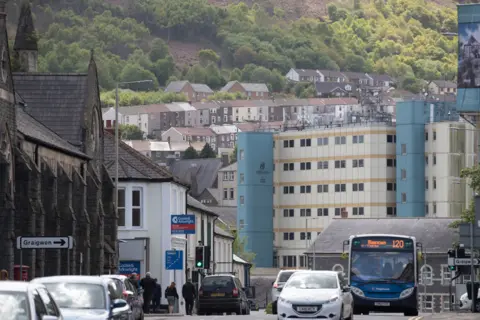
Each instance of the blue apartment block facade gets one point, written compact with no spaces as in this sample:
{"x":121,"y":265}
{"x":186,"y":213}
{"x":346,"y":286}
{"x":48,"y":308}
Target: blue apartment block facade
{"x":412,"y":116}
{"x":255,"y":194}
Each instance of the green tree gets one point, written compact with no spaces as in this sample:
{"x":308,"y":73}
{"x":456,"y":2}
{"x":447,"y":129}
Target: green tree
{"x":473,"y":176}
{"x":190,"y":153}
{"x":235,"y":75}
{"x":135,"y":72}
{"x":239,"y":248}
{"x":197,"y":74}
{"x":130,"y":132}
{"x":207,"y":56}
{"x":159,"y":50}
{"x":207,"y":152}
{"x":233,"y":155}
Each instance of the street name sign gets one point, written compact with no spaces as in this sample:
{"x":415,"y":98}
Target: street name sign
{"x":174,"y":260}
{"x":44,"y":242}
{"x":466,"y":261}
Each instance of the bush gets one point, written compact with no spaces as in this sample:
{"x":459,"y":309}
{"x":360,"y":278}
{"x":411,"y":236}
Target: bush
{"x":268,"y":309}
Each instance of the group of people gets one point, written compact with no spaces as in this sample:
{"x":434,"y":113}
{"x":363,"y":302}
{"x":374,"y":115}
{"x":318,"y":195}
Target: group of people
{"x":152,"y":293}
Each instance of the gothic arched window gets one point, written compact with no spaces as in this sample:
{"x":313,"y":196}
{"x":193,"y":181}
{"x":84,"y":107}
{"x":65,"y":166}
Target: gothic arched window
{"x":95,"y":130}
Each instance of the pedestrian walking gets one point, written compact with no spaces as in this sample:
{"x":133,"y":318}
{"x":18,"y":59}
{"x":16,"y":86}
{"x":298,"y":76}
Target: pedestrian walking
{"x":157,"y":296}
{"x":148,"y":285}
{"x":189,"y":295}
{"x":3,"y":274}
{"x":171,"y":294}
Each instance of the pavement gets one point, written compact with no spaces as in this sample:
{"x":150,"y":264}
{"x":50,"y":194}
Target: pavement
{"x":260,"y":315}
{"x":449,"y":315}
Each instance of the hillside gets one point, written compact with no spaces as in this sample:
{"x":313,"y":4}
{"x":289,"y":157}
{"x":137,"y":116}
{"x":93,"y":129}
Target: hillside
{"x":259,"y":43}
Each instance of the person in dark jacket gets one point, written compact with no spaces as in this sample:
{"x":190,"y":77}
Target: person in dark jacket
{"x":134,"y":280}
{"x":188,"y":293}
{"x":148,"y":285}
{"x":157,"y":296}
{"x":171,"y":294}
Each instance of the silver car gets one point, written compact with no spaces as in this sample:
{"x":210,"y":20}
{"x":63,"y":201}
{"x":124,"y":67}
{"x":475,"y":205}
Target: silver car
{"x":27,"y":301}
{"x":316,"y":294}
{"x":277,"y":286}
{"x":87,"y":297}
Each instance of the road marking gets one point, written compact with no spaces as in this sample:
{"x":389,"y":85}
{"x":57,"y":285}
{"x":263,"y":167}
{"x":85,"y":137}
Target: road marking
{"x":416,"y":318}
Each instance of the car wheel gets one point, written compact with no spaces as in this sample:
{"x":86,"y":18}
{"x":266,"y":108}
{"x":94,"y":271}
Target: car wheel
{"x":142,"y":316}
{"x":274,"y":307}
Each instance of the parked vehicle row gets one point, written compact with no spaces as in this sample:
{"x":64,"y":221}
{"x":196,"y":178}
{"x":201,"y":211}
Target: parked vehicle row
{"x":110,"y":297}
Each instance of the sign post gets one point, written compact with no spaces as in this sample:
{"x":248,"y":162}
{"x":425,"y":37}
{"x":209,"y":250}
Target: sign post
{"x":44,"y":243}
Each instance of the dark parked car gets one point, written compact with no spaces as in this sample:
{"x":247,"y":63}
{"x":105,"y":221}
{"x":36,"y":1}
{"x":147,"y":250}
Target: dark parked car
{"x":126,"y":289}
{"x":222,"y":293}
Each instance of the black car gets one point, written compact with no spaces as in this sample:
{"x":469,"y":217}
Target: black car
{"x":222,"y":293}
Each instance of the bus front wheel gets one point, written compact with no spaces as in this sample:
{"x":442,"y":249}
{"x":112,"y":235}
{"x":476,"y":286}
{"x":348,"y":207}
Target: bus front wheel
{"x":411,"y":313}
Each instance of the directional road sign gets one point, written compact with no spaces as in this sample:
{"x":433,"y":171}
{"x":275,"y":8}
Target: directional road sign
{"x":466,"y":261}
{"x":45,"y":242}
{"x":174,"y":260}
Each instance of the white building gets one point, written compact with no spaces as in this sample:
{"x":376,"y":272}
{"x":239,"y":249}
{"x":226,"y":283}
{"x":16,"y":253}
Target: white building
{"x":135,"y":115}
{"x":224,"y":256}
{"x":449,"y":147}
{"x":321,"y":174}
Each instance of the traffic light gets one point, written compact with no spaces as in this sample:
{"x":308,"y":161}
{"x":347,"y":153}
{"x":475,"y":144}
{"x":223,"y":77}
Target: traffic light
{"x":199,"y":254}
{"x":206,"y":257}
{"x":451,"y":257}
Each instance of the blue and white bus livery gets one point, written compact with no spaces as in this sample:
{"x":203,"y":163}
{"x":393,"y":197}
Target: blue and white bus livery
{"x":382,"y":273}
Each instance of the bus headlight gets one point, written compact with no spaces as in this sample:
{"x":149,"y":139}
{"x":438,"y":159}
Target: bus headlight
{"x":405,"y":293}
{"x":357,"y":291}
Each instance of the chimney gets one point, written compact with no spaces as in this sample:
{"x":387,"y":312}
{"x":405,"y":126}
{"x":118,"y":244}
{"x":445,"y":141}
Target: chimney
{"x":225,"y":160}
{"x":168,"y":140}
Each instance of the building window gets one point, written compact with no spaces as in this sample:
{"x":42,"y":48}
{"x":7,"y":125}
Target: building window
{"x":446,"y":275}
{"x":322,"y":141}
{"x":137,"y":207}
{"x":303,"y":261}
{"x":426,"y":160}
{"x":322,"y":212}
{"x":434,"y":135}
{"x":341,"y":140}
{"x":232,"y":194}
{"x":241,"y":154}
{"x":434,"y":159}
{"x":242,"y":200}
{"x":391,"y":163}
{"x":289,"y":261}
{"x":338,"y":211}
{"x":357,"y":139}
{"x":288,"y":166}
{"x":225,"y":176}
{"x":322,"y":165}
{"x":308,"y":235}
{"x":426,"y":275}
{"x":305,"y":142}
{"x":288,"y":189}
{"x":357,"y":163}
{"x":426,"y":209}
{"x":225,"y":194}
{"x":426,"y":135}
{"x":305,"y":189}
{"x":358,"y":211}
{"x":404,"y":197}
{"x":391,"y":186}
{"x":242,"y":178}
{"x":305,"y":212}
{"x":340,"y":164}
{"x":288,"y":143}
{"x":404,"y":174}
{"x":340,"y":187}
{"x":434,"y":208}
{"x":391,"y":138}
{"x":404,"y":149}
{"x":121,"y":207}
{"x":434,"y":183}
{"x":322,"y":188}
{"x":288,"y":213}
{"x":305,"y":165}
{"x":391,"y":211}
{"x":357,"y":187}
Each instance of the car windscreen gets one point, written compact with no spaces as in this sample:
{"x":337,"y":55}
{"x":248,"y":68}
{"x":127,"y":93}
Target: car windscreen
{"x":218,"y":283}
{"x":78,"y":295}
{"x":14,"y":306}
{"x":284,"y":276}
{"x":312,"y":281}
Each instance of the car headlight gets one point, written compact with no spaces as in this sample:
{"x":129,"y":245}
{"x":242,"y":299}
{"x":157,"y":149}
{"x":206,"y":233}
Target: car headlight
{"x":284,"y":300}
{"x":357,"y":291}
{"x":405,"y":293}
{"x":332,"y":299}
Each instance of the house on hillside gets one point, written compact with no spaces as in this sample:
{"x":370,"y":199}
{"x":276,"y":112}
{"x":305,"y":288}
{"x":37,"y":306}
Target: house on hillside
{"x":193,"y":91}
{"x":442,"y":87}
{"x":164,"y":152}
{"x":357,"y":78}
{"x":335,"y":89}
{"x":255,"y":91}
{"x":179,"y":134}
{"x":380,"y":80}
{"x":303,"y":75}
{"x":332,"y":76}
{"x":227,"y":185}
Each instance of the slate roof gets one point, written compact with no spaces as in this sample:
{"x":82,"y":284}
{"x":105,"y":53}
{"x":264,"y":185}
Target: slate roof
{"x":204,"y":170}
{"x":200,"y":87}
{"x":56,"y":100}
{"x":195,"y":204}
{"x":380,"y":77}
{"x":355,"y":75}
{"x":132,"y":164}
{"x":226,"y":214}
{"x":215,"y":193}
{"x":25,"y":38}
{"x":445,"y":84}
{"x":223,"y":233}
{"x":327,"y":87}
{"x":332,"y":73}
{"x":250,"y":87}
{"x":37,"y":132}
{"x":231,"y":167}
{"x":433,"y":233}
{"x":307,"y":72}
{"x":175,"y":86}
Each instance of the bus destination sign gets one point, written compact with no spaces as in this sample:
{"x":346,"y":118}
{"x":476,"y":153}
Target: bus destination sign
{"x":383,"y":243}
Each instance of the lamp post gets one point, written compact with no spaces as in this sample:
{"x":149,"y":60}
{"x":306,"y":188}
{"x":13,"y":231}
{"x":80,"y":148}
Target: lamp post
{"x":117,"y":138}
{"x":306,"y":240}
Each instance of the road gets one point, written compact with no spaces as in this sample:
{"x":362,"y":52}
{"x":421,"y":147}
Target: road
{"x":260,"y":315}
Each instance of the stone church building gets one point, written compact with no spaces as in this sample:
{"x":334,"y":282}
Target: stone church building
{"x":53,"y":181}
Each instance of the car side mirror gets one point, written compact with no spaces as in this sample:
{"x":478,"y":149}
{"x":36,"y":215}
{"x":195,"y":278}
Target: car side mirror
{"x":49,"y":318}
{"x":346,"y":289}
{"x":119,"y":304}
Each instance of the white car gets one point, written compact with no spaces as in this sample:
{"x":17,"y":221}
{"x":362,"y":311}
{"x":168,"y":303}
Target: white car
{"x":316,"y":294}
{"x":465,"y":303}
{"x":27,"y":301}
